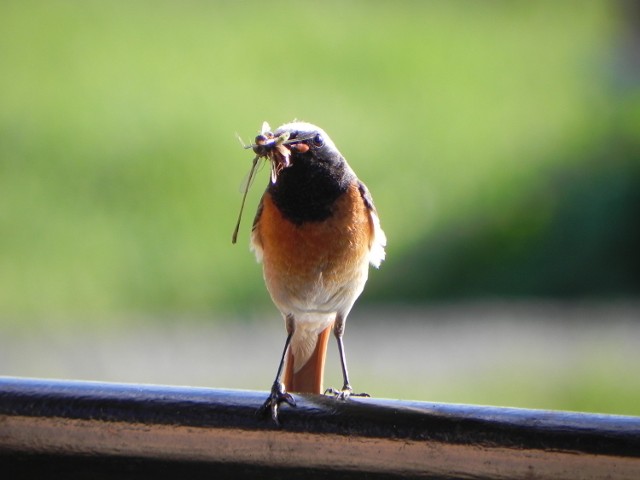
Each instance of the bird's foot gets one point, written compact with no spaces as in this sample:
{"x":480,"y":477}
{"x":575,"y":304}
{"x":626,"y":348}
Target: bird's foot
{"x":345,"y":393}
{"x":278,"y":395}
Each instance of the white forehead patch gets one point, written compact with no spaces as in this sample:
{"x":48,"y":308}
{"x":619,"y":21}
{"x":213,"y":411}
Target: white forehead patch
{"x":304,"y":127}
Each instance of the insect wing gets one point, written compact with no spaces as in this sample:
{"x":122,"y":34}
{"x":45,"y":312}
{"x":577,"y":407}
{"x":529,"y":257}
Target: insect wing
{"x":250,"y":177}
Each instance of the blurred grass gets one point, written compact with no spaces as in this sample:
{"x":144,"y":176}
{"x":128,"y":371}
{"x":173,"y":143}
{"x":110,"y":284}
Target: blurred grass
{"x":119,"y":166}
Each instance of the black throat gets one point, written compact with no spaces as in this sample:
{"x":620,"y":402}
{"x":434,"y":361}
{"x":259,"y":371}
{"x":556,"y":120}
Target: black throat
{"x":307,"y":190}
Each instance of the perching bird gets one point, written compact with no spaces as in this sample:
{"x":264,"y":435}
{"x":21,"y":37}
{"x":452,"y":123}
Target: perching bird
{"x":316,"y":231}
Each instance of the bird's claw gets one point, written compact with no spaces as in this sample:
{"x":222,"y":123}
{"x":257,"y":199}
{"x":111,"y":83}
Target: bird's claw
{"x":345,"y":393}
{"x":278,"y":395}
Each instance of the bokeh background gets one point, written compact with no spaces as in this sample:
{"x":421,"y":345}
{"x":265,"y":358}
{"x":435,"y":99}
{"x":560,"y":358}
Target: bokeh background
{"x":500,"y":140}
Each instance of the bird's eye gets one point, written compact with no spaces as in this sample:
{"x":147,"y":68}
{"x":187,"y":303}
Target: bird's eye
{"x":318,"y":141}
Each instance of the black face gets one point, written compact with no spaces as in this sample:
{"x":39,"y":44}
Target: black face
{"x":316,"y":177}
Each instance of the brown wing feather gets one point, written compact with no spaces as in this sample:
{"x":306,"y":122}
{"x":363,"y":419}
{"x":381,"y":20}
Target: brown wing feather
{"x":256,"y":238}
{"x":378,"y":239}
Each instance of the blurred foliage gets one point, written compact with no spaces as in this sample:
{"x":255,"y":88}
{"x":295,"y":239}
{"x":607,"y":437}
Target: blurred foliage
{"x":575,"y":234}
{"x":500,"y":142}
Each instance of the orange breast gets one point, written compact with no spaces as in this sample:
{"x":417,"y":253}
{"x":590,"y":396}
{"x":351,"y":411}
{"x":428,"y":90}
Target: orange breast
{"x":300,"y":260}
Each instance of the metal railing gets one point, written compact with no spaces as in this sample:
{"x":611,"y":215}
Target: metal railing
{"x":72,"y":429}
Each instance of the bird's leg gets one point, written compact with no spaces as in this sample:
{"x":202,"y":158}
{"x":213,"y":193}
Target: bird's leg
{"x":347,"y":391}
{"x":278,"y":392}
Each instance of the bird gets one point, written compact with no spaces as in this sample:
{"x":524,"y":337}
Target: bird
{"x":316,"y":231}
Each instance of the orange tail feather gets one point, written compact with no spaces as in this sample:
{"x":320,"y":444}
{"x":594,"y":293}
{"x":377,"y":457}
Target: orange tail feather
{"x":309,"y":378}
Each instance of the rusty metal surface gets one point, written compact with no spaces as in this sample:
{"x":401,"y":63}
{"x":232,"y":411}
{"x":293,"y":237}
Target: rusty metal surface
{"x":101,"y":430}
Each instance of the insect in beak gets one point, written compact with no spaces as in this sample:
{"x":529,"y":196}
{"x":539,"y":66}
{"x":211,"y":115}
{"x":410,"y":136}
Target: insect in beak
{"x":275,"y":149}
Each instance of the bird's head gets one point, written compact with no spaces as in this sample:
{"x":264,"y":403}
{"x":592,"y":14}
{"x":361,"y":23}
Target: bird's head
{"x":293,"y":143}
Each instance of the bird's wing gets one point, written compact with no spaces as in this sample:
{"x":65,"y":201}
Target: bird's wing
{"x":256,"y":239}
{"x":378,"y":238}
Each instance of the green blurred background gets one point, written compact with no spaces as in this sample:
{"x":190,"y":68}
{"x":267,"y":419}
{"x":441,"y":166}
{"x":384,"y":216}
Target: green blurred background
{"x":501,"y":142}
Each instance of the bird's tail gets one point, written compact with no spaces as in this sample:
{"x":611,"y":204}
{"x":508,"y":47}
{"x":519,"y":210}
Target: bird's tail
{"x":308,"y":377}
